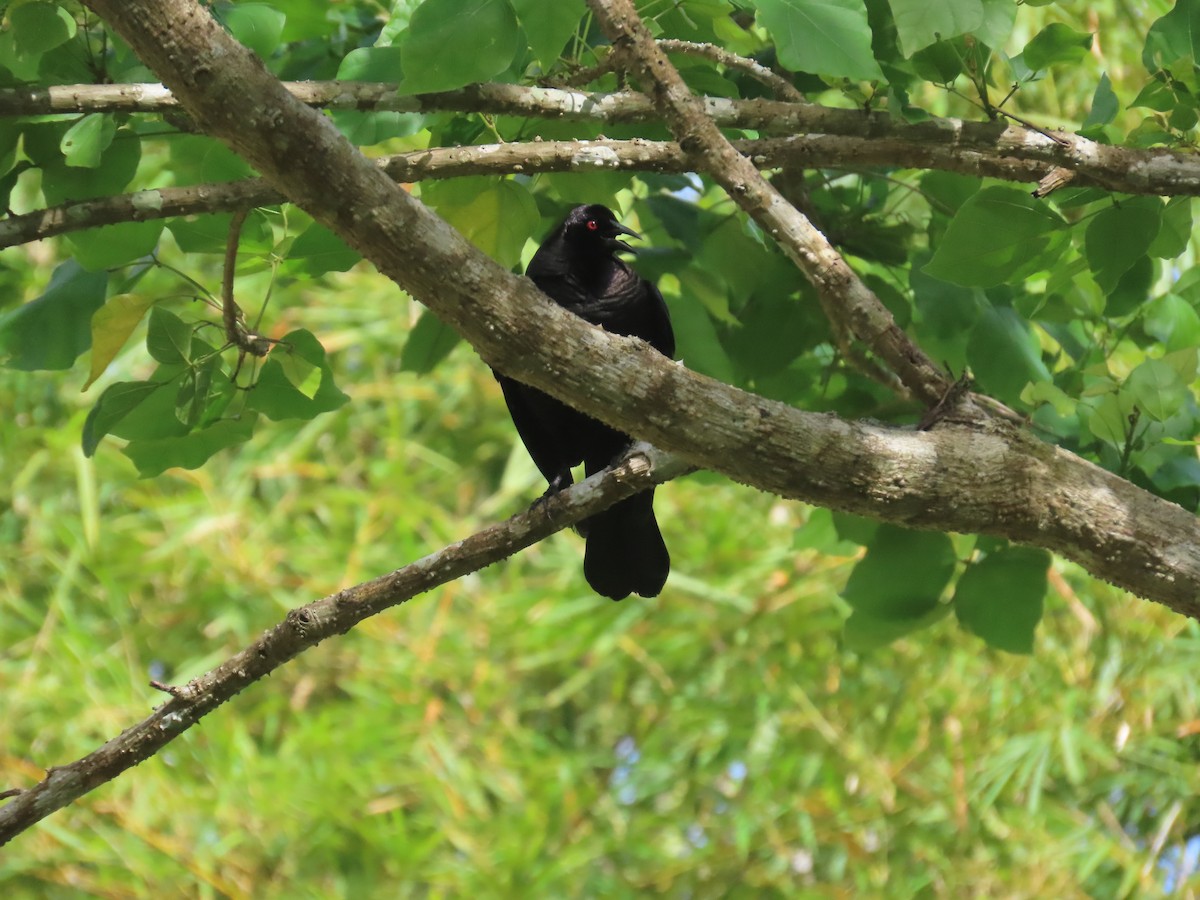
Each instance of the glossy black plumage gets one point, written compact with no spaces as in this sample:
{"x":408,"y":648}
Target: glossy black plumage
{"x":578,"y":268}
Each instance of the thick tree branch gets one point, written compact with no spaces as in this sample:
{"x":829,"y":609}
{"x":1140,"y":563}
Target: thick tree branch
{"x":635,"y":155}
{"x":306,"y":626}
{"x":996,"y":481}
{"x":1126,"y":170}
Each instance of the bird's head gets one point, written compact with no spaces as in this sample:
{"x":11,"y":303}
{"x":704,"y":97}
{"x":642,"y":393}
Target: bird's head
{"x":596,"y":227}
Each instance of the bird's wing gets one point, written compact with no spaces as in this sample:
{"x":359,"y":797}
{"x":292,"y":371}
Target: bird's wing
{"x":538,"y":418}
{"x":662,"y":335}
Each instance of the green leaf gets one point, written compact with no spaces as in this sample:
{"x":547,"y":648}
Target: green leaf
{"x":1117,"y":236}
{"x":210,"y":234}
{"x":996,"y":235}
{"x":168,"y":338}
{"x":62,"y":182}
{"x":1109,"y":421}
{"x":863,"y":632}
{"x":307,"y":19}
{"x":496,"y":216}
{"x":764,"y":341}
{"x":363,"y":128}
{"x":902,"y":574}
{"x":117,"y":401}
{"x":189,"y":451}
{"x":303,"y":375}
{"x":197,"y":158}
{"x":921,"y":23}
{"x":371,"y":64}
{"x":318,"y":250}
{"x":855,"y":529}
{"x":1132,"y":288}
{"x":697,"y":336}
{"x":256,"y":25}
{"x":1156,"y":95}
{"x":940,"y":62}
{"x":1157,"y":389}
{"x":51,"y":331}
{"x":819,"y":532}
{"x":192,"y":398}
{"x":38,"y":27}
{"x":1104,"y":104}
{"x":276,"y":397}
{"x":1176,"y":231}
{"x":430,"y":341}
{"x":825,"y":37}
{"x":1035,"y":393}
{"x":1056,"y":43}
{"x":87,"y":139}
{"x":111,"y":326}
{"x":455,"y":42}
{"x":1172,"y":322}
{"x":114,"y":245}
{"x":1174,"y":37}
{"x":1004,"y":354}
{"x":999,"y":16}
{"x":548,"y":25}
{"x":1000,"y":597}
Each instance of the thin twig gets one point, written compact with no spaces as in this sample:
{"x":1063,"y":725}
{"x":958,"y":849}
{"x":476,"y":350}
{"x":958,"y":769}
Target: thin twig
{"x":231,"y":314}
{"x":782,"y":88}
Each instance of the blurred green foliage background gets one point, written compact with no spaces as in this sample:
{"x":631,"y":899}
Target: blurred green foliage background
{"x":513,"y":734}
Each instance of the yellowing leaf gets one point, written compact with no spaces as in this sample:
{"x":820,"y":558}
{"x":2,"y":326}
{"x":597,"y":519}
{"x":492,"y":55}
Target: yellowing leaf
{"x":111,"y":326}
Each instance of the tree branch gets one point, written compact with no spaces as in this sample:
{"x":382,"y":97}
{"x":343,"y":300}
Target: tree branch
{"x":1131,"y":171}
{"x":782,"y":88}
{"x":306,"y":626}
{"x":635,"y":155}
{"x":993,"y":480}
{"x":848,"y":303}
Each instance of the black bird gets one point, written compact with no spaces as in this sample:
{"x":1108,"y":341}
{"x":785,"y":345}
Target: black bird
{"x":578,"y":268}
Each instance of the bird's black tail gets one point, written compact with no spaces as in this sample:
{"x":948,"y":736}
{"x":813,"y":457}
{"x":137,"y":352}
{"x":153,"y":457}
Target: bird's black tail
{"x":625,"y":551}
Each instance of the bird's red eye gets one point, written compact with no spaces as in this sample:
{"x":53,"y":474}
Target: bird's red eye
{"x":592,"y":224}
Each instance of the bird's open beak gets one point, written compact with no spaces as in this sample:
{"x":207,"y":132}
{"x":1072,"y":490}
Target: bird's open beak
{"x":618,"y":245}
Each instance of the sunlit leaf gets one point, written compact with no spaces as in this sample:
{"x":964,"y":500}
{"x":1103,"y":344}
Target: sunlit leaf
{"x":496,"y":216}
{"x":828,"y":37}
{"x":1156,"y":388}
{"x":257,"y":25}
{"x":87,"y":139}
{"x":921,"y":23}
{"x":455,"y":42}
{"x":1056,"y":43}
{"x":38,"y":27}
{"x":277,"y":398}
{"x":548,"y":26}
{"x":1005,"y":354}
{"x":996,"y":233}
{"x":111,"y":326}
